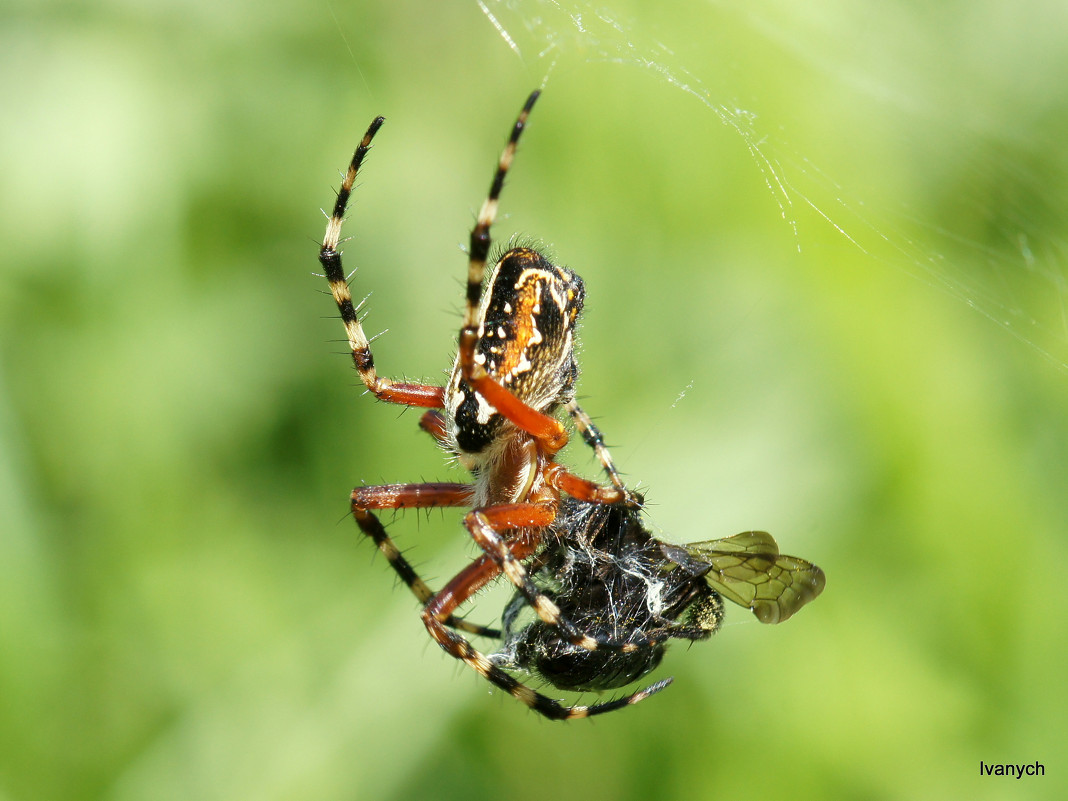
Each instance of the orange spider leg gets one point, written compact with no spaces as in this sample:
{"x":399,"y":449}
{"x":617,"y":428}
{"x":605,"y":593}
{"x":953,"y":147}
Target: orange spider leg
{"x":433,"y":423}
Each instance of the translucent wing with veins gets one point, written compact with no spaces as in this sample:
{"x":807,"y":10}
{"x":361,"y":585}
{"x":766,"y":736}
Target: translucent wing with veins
{"x":749,"y":570}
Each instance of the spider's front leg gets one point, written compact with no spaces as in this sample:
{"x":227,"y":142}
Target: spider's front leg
{"x":592,"y":436}
{"x":409,"y":394}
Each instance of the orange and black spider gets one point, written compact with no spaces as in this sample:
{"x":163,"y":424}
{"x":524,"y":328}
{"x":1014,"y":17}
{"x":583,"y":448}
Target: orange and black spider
{"x":515,"y":368}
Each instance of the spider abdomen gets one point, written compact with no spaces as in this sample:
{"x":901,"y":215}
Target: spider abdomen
{"x":526,"y":342}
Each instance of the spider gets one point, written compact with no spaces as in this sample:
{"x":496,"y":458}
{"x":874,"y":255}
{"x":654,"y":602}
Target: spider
{"x":515,"y":367}
{"x":608,"y":574}
{"x":605,"y":594}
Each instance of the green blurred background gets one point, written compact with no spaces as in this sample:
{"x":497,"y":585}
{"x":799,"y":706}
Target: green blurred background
{"x":840,"y":317}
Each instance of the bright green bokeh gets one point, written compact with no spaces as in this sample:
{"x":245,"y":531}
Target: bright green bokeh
{"x":872,"y":369}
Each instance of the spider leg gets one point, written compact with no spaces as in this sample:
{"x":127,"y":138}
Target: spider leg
{"x":410,"y":496}
{"x":559,"y":477}
{"x":480,"y":235}
{"x":330,"y":257}
{"x":591,"y":435}
{"x":433,"y":423}
{"x":463,"y":586}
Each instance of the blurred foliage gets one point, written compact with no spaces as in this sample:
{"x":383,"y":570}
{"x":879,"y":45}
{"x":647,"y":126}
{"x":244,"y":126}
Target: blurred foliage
{"x":873,"y":370}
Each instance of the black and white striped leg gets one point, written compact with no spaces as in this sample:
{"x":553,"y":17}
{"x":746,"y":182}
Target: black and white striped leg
{"x":410,"y":496}
{"x":591,"y":435}
{"x":479,"y":247}
{"x":330,"y":257}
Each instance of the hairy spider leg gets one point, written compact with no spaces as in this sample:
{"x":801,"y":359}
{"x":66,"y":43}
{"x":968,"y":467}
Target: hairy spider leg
{"x":386,"y":389}
{"x":411,"y":496}
{"x":547,"y":430}
{"x":500,"y":554}
{"x":433,"y":423}
{"x":592,"y":436}
{"x":480,"y":234}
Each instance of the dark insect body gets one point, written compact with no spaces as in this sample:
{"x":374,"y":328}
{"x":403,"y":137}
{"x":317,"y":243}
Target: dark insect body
{"x":610,"y":576}
{"x":515,"y":368}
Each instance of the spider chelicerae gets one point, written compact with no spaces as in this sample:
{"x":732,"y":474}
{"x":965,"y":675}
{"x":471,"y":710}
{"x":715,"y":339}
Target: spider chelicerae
{"x":605,"y":595}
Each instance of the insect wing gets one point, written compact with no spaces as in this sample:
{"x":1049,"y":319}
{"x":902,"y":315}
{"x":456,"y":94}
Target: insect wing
{"x":749,"y":570}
